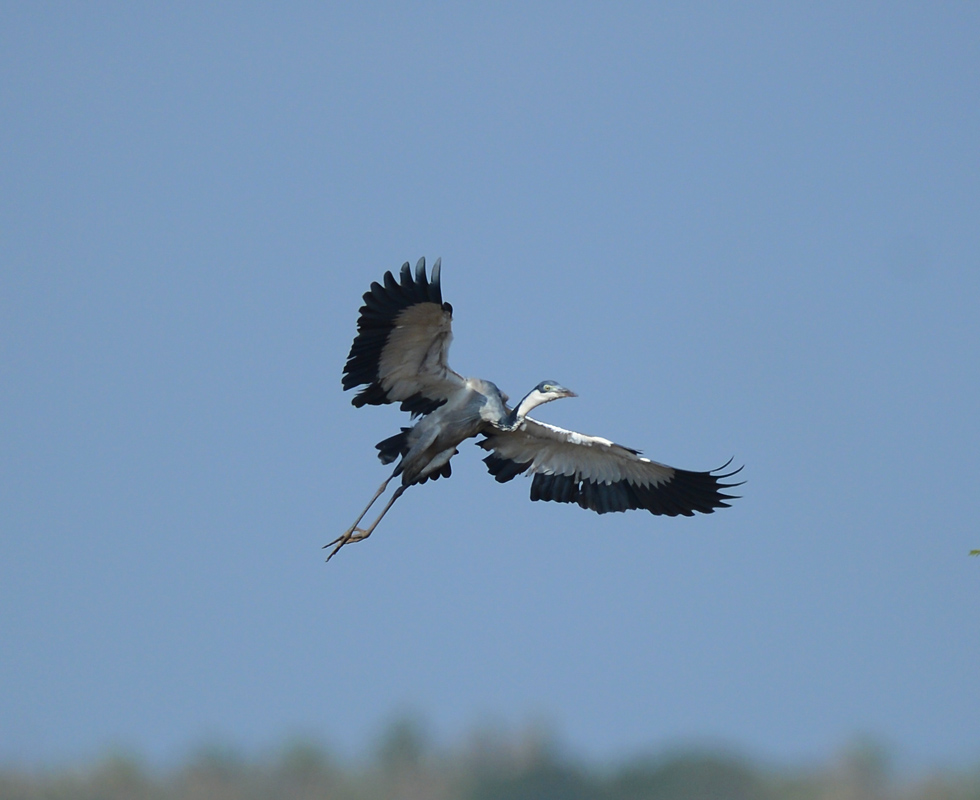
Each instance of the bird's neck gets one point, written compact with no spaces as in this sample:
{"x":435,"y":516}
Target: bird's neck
{"x":531,"y":400}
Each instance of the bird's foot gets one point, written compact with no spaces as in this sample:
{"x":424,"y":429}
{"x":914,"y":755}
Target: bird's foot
{"x":347,"y":537}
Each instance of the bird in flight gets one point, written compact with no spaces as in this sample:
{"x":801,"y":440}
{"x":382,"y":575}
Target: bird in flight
{"x":400,"y":355}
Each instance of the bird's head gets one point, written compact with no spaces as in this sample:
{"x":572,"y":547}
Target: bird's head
{"x":546,"y":391}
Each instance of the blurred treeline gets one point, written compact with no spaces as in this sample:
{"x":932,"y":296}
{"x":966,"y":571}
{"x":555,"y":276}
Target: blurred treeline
{"x":527,"y":766}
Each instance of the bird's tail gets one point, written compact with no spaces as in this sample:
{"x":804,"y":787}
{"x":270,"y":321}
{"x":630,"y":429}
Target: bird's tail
{"x":393,"y":447}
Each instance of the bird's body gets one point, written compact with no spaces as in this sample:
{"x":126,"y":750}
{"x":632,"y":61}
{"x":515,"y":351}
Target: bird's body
{"x":400,"y":355}
{"x":432,"y":441}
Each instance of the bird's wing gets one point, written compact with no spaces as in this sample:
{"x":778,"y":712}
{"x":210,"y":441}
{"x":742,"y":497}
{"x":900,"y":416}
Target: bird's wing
{"x":570,"y":467}
{"x":402,"y":345}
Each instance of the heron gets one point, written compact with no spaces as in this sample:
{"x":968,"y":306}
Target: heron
{"x":400,"y":355}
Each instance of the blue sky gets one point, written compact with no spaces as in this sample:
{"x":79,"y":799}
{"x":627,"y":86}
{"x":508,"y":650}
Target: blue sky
{"x":733,"y":231}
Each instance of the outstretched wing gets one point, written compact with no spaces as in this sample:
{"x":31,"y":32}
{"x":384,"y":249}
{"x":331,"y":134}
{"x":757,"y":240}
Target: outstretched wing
{"x":570,"y":467}
{"x":401,"y":350}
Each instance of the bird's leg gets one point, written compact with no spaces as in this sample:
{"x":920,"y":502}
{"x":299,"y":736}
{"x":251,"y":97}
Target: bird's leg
{"x":359,"y":534}
{"x":348,"y":535}
{"x":363,"y":533}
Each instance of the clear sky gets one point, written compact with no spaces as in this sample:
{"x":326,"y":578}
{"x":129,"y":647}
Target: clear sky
{"x":733,"y":231}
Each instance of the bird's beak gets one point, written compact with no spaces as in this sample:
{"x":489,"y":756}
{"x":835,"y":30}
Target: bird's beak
{"x":569,"y":393}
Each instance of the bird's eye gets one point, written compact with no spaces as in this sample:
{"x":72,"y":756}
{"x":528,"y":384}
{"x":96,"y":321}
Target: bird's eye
{"x":549,"y":388}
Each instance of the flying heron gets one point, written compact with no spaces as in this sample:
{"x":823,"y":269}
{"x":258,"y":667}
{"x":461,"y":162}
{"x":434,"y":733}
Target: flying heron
{"x":400,"y":355}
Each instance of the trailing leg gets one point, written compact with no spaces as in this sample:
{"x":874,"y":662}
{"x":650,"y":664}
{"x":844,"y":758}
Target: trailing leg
{"x":348,"y":535}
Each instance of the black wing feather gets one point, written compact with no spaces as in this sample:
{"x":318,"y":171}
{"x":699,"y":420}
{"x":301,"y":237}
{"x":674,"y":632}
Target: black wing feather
{"x":383,"y":305}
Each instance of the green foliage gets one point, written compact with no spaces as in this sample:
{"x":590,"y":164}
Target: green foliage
{"x":707,"y":776}
{"x":403,"y":745}
{"x":528,"y":766}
